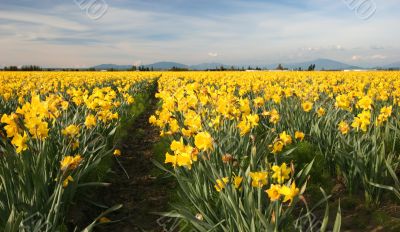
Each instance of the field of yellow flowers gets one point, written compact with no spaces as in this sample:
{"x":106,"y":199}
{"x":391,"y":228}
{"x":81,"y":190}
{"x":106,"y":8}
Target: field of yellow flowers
{"x":55,"y":129}
{"x":236,"y":144}
{"x":235,"y":141}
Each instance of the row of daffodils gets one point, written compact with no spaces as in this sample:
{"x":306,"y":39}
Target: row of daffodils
{"x":55,"y":128}
{"x":232,"y":135}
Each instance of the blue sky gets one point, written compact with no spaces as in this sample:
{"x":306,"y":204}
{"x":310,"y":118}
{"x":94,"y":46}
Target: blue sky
{"x":60,"y":33}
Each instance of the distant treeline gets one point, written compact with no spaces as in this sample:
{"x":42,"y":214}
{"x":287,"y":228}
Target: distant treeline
{"x":37,"y":68}
{"x":175,"y":69}
{"x":143,"y":68}
{"x":388,"y":69}
{"x":23,"y":68}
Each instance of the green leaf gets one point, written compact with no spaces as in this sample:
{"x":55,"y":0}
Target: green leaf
{"x":108,"y":211}
{"x":326,"y":216}
{"x":338,"y":220}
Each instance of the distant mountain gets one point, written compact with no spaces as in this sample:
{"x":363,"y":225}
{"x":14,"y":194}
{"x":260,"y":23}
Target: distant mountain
{"x":165,"y":65}
{"x":394,"y":65}
{"x":205,"y":66}
{"x":155,"y":66}
{"x":112,"y":66}
{"x":320,"y":64}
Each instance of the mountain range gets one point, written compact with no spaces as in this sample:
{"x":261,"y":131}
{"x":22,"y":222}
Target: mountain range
{"x":320,"y":64}
{"x":394,"y":65}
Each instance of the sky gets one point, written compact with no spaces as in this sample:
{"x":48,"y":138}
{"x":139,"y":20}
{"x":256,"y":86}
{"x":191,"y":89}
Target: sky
{"x":83,"y":33}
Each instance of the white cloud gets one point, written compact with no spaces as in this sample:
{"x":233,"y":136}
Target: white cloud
{"x":370,"y":57}
{"x":259,"y":33}
{"x":42,"y":19}
{"x":137,"y":63}
{"x":377,"y":47}
{"x":339,"y":47}
{"x":378,"y":57}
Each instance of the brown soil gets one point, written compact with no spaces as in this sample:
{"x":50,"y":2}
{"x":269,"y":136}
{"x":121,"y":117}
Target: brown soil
{"x":141,"y":194}
{"x":134,"y":185}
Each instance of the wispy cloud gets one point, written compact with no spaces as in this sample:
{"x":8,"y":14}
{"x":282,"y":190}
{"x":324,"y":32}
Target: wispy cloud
{"x":242,"y":31}
{"x":377,"y":47}
{"x":371,"y":57}
{"x":42,"y":19}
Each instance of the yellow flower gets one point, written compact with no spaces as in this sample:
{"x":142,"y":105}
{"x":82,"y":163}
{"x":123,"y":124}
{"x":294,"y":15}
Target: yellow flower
{"x":193,"y":121}
{"x":117,"y":152}
{"x":221,"y":184}
{"x":171,"y":159}
{"x":203,"y":141}
{"x":344,"y":127}
{"x":289,"y":193}
{"x":258,"y":101}
{"x":19,"y":142}
{"x":11,"y":127}
{"x":67,"y":180}
{"x":237,"y":181}
{"x":343,"y":102}
{"x":281,"y":173}
{"x":244,"y":127}
{"x":70,"y":163}
{"x":274,"y":117}
{"x":274,"y":192}
{"x":129,"y":99}
{"x":276,"y":98}
{"x":307,"y":106}
{"x":362,"y":121}
{"x":387,"y":111}
{"x":321,"y":112}
{"x":104,"y":220}
{"x":253,"y":119}
{"x":286,"y":139}
{"x":186,"y":133}
{"x":75,"y":144}
{"x":259,"y":179}
{"x":276,"y":147}
{"x":177,"y":146}
{"x":71,"y":131}
{"x":90,"y":121}
{"x":153,"y":120}
{"x":299,"y":135}
{"x":174,"y":126}
{"x":384,"y":115}
{"x":265,"y":113}
{"x":64,"y":105}
{"x":365,"y":103}
{"x":37,"y":128}
{"x":184,"y":159}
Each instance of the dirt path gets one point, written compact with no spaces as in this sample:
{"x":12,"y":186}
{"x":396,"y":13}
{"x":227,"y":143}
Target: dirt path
{"x":141,"y":193}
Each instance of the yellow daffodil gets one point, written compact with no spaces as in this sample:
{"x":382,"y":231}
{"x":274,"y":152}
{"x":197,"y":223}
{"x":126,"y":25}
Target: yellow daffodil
{"x":289,"y":192}
{"x":307,"y":106}
{"x":281,"y":173}
{"x":299,"y":135}
{"x":259,"y":179}
{"x":274,"y":192}
{"x":221,"y":183}
{"x":203,"y":141}
{"x":70,"y":162}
